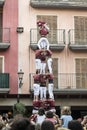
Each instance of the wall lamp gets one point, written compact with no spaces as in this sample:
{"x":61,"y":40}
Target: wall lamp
{"x":20,"y":30}
{"x":20,"y":77}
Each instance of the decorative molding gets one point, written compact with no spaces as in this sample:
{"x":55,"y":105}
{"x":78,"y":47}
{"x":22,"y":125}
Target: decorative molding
{"x":72,"y":4}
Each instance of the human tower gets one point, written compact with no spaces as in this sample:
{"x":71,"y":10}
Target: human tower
{"x":43,"y":78}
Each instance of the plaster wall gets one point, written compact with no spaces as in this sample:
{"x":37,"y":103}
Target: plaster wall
{"x":28,"y":19}
{"x":10,"y":20}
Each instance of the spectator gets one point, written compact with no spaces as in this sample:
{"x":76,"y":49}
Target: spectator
{"x":47,"y":125}
{"x":75,"y":125}
{"x":41,"y":116}
{"x":37,"y":127}
{"x":84,"y":122}
{"x":65,"y":116}
{"x":50,"y":116}
{"x":22,"y":124}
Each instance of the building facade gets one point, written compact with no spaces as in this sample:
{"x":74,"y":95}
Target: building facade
{"x":8,"y":50}
{"x":67,"y":21}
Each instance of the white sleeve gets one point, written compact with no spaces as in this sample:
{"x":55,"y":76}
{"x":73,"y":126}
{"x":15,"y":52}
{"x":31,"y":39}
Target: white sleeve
{"x":38,"y":44}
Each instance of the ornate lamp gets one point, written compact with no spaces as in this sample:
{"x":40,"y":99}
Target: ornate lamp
{"x":20,"y":77}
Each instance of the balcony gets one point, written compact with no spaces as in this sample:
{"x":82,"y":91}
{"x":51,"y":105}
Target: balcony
{"x":4,"y":38}
{"x":64,"y":4}
{"x":77,"y":40}
{"x":56,"y":39}
{"x":4,"y":82}
{"x":2,"y":3}
{"x":73,"y":84}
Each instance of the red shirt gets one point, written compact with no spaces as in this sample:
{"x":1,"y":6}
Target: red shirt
{"x":43,"y":79}
{"x":36,"y":78}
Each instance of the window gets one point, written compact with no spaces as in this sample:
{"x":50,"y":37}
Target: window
{"x":80,"y":29}
{"x":81,"y":73}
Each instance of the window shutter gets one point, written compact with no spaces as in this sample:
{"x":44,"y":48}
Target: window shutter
{"x":55,"y":72}
{"x":80,"y":29}
{"x":81,"y":73}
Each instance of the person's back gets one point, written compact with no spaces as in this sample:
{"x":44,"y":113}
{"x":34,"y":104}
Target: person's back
{"x":66,"y":119}
{"x":40,"y":119}
{"x":65,"y":116}
{"x":75,"y":125}
{"x":47,"y":125}
{"x":50,"y":117}
{"x":22,"y":124}
{"x":41,"y":116}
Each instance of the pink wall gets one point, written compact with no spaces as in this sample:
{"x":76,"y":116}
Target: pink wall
{"x":10,"y":20}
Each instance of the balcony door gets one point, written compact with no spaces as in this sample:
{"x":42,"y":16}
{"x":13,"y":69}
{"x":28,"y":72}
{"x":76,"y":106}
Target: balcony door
{"x":80,"y":24}
{"x":81,"y":73}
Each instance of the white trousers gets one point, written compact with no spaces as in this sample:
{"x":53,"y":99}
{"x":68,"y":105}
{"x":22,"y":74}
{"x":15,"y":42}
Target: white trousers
{"x":38,"y":64}
{"x":50,"y":90}
{"x":49,"y":63}
{"x":42,"y":92}
{"x":36,"y":88}
{"x":43,"y":68}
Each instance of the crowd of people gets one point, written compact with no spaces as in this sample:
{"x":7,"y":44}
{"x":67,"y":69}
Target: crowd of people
{"x":43,"y":120}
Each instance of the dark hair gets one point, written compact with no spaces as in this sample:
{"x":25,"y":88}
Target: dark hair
{"x":47,"y":125}
{"x":49,"y":114}
{"x":22,"y":124}
{"x":75,"y":125}
{"x":41,"y":111}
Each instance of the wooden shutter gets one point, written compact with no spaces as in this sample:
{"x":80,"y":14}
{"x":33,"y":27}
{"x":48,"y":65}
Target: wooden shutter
{"x":80,"y":29}
{"x":81,"y":73}
{"x":55,"y":72}
{"x":52,"y":22}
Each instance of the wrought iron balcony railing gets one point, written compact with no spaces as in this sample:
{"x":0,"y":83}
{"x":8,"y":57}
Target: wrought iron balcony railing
{"x":77,"y":39}
{"x":4,"y":82}
{"x":67,"y":81}
{"x":55,"y":37}
{"x":4,"y":38}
